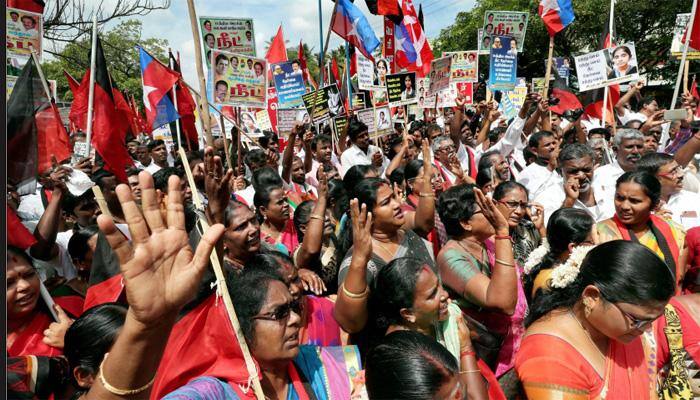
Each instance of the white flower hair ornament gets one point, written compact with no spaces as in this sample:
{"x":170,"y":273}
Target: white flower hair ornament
{"x":564,"y":274}
{"x":536,"y":256}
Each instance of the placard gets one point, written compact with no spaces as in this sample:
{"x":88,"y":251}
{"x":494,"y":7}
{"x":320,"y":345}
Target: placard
{"x":425,"y":101}
{"x":537,"y":85}
{"x":401,"y":88}
{"x":263,"y":119}
{"x":289,"y":84}
{"x":448,"y":97}
{"x":605,"y":67}
{"x":359,"y":100}
{"x":483,"y":42}
{"x":366,"y":75}
{"x":464,"y":67}
{"x":287,"y":117}
{"x":677,"y":42}
{"x":230,"y":34}
{"x":324,"y":103}
{"x":383,"y":120}
{"x":503,"y":64}
{"x":506,"y":23}
{"x":439,"y":74}
{"x":272,"y":107}
{"x":250,"y":124}
{"x":23,"y":28}
{"x":239,"y":80}
{"x":339,"y":124}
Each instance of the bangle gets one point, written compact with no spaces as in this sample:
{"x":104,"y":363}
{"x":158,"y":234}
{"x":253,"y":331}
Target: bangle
{"x":318,"y":217}
{"x":354,"y":295}
{"x":121,"y":392}
{"x":503,"y":237}
{"x":470,"y":371}
{"x":428,"y":195}
{"x":507,"y":264}
{"x":469,"y":352}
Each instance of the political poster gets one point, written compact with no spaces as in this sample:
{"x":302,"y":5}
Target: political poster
{"x":503,"y":64}
{"x":263,"y":120}
{"x":538,"y":85}
{"x":512,"y":101}
{"x":230,"y":34}
{"x":250,"y":124}
{"x":562,"y":66}
{"x":324,"y":104}
{"x":339,"y":124}
{"x":382,"y":117}
{"x":401,"y":88}
{"x":483,"y":42}
{"x":505,"y":23}
{"x":359,"y":100}
{"x":448,"y":97}
{"x":425,"y":101}
{"x":677,"y":42}
{"x":287,"y":117}
{"x":289,"y":83}
{"x":239,"y":80}
{"x":464,"y":67}
{"x":439,"y":74}
{"x":366,"y":116}
{"x":398,"y":114}
{"x":23,"y":29}
{"x":366,"y":75}
{"x":606,"y":67}
{"x":272,"y":107}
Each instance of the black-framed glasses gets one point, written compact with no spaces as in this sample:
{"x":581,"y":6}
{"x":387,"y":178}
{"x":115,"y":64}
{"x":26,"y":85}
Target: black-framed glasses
{"x":636,"y":323}
{"x":282,"y":312}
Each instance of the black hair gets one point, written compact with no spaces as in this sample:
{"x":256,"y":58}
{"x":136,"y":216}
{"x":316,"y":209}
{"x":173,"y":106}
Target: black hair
{"x":395,"y":290}
{"x":495,"y":133}
{"x":70,"y":201}
{"x":270,"y":262}
{"x":397,"y":176}
{"x":534,"y":140}
{"x":78,"y":243}
{"x":355,"y":127}
{"x":262,"y":197}
{"x":322,"y":138}
{"x":650,"y":185}
{"x":412,"y":170}
{"x":504,"y":188}
{"x":645,"y":101}
{"x":528,"y":154}
{"x":230,"y":211}
{"x":248,"y":291}
{"x":599,"y":131}
{"x":355,"y":174}
{"x":485,"y":160}
{"x":408,"y":365}
{"x":133,"y":171}
{"x":302,"y":215}
{"x":255,"y":156}
{"x":565,"y":226}
{"x":91,"y":336}
{"x":622,"y":270}
{"x":652,"y":162}
{"x":483,"y":177}
{"x":575,"y":151}
{"x":19,"y":252}
{"x":267,"y":138}
{"x":431,"y":128}
{"x":417,"y":126}
{"x":220,"y":57}
{"x":339,"y":197}
{"x":154,"y":143}
{"x":266,"y":177}
{"x":454,"y":205}
{"x":160,"y":178}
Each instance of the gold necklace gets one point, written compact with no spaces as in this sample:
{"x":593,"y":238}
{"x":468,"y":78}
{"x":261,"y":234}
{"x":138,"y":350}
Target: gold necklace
{"x":379,"y":243}
{"x":603,"y":391}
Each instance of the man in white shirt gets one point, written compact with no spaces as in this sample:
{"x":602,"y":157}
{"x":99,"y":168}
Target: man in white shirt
{"x":628,"y":145}
{"x":542,"y":173}
{"x":361,"y":152}
{"x":647,"y":106}
{"x":159,"y":155}
{"x":576,"y":190}
{"x":684,"y":206}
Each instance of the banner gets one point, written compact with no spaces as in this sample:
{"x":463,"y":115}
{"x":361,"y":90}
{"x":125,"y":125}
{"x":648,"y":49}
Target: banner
{"x":23,"y":28}
{"x":464,"y":67}
{"x":289,"y":83}
{"x":359,"y":100}
{"x":484,"y":42}
{"x":505,"y":23}
{"x":272,"y":107}
{"x":239,"y":80}
{"x":263,"y":120}
{"x":388,"y":47}
{"x":324,"y":104}
{"x":513,"y":101}
{"x":401,"y":88}
{"x":439,"y":74}
{"x":605,"y":67}
{"x":503,"y":64}
{"x":448,"y":97}
{"x":286,"y":117}
{"x":676,"y":43}
{"x":230,"y":34}
{"x":339,"y":124}
{"x":250,"y":124}
{"x":538,"y":85}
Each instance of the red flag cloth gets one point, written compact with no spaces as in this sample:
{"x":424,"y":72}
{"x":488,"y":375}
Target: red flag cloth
{"x":336,"y":72}
{"x":109,"y":128}
{"x":72,"y":83}
{"x":124,"y":109}
{"x":35,"y":6}
{"x":277,"y":51}
{"x":186,"y":107}
{"x":595,"y":108}
{"x":17,"y":234}
{"x":695,"y":34}
{"x":107,"y":291}
{"x":383,"y":7}
{"x":302,"y":62}
{"x":415,"y":53}
{"x":694,"y":93}
{"x":79,"y":107}
{"x":52,"y":138}
{"x":202,"y":343}
{"x":272,"y":107}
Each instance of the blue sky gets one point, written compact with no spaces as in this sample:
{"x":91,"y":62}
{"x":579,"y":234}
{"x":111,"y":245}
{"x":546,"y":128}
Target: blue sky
{"x":299,"y":19}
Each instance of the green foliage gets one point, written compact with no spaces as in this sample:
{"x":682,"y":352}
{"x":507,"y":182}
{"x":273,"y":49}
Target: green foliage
{"x":649,"y":24}
{"x":119,"y":44}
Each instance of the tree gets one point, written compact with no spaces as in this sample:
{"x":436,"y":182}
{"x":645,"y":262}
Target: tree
{"x":119,"y":45}
{"x":648,"y":24}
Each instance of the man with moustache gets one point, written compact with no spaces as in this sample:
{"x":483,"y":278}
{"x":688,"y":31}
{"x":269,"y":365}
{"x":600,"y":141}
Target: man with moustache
{"x":628,"y":145}
{"x":576,"y":162}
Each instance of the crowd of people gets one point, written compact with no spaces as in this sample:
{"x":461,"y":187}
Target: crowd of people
{"x":463,"y":256}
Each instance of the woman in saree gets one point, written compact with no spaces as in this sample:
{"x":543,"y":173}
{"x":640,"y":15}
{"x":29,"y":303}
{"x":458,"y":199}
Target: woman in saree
{"x":585,"y":333}
{"x":410,"y":296}
{"x":31,"y":329}
{"x":478,"y":269}
{"x":637,"y":196}
{"x":277,"y":227}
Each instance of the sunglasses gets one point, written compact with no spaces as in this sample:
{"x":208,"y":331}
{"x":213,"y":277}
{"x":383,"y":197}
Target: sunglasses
{"x":281,"y":313}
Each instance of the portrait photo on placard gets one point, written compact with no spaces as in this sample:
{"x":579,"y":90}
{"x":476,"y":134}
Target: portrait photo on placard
{"x":622,"y":62}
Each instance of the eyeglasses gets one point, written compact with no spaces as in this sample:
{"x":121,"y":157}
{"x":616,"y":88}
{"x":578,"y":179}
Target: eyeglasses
{"x":282,"y":312}
{"x":447,"y":148}
{"x":513,"y":205}
{"x":636,"y":323}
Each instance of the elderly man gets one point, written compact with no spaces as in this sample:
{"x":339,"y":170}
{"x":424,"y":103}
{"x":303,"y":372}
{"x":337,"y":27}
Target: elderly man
{"x":542,"y":173}
{"x":628,"y":145}
{"x":684,"y":206}
{"x":447,"y":163}
{"x":576,"y":162}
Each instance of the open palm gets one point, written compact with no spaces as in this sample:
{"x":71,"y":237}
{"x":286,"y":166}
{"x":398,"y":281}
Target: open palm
{"x":161,"y":273}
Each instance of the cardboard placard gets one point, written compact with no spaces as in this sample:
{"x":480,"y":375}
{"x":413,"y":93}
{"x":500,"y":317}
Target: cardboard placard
{"x":238,"y":80}
{"x":401,"y":88}
{"x":503,"y":64}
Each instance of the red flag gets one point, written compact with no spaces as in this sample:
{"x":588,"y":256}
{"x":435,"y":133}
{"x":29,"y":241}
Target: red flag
{"x":79,"y":107}
{"x":383,"y":7}
{"x":277,"y":51}
{"x":17,"y":234}
{"x":185,"y":107}
{"x":72,"y":83}
{"x":302,"y":62}
{"x":695,"y":35}
{"x":335,"y":72}
{"x":593,"y":99}
{"x":35,"y":6}
{"x":414,"y":53}
{"x":52,"y":137}
{"x":109,"y":128}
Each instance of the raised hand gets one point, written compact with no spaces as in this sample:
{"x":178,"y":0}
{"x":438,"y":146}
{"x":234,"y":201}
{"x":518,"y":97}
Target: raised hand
{"x":536,"y":216}
{"x":491,"y":213}
{"x":322,"y":188}
{"x":571,"y":188}
{"x":216,"y":185}
{"x":361,"y":231}
{"x":377,"y":159}
{"x":160,"y":271}
{"x":54,"y":335}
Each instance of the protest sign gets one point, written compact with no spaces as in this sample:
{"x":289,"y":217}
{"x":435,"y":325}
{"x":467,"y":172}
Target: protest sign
{"x":503,"y":64}
{"x":359,"y":100}
{"x":239,"y":80}
{"x":272,"y":107}
{"x":483,"y":42}
{"x":605,"y":67}
{"x":366,"y":116}
{"x":448,"y":97}
{"x":365,"y":73}
{"x":562,"y":65}
{"x":677,"y":42}
{"x":425,"y":101}
{"x":401,"y":88}
{"x":289,"y":83}
{"x":286,"y":117}
{"x":23,"y":28}
{"x":512,"y":101}
{"x":250,"y":124}
{"x":383,"y":120}
{"x":263,"y":119}
{"x":324,"y":103}
{"x":538,"y":85}
{"x":439,"y":75}
{"x":464,"y":67}
{"x":339,"y":124}
{"x":230,"y":34}
{"x":506,"y":23}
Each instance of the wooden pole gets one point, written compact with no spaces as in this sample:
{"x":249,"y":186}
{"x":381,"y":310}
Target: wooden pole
{"x":177,"y":122}
{"x":100,"y":198}
{"x":685,"y":54}
{"x":227,"y":152}
{"x":548,"y":73}
{"x":200,"y":73}
{"x":91,"y":90}
{"x":222,"y":288}
{"x":44,"y":83}
{"x":685,"y":76}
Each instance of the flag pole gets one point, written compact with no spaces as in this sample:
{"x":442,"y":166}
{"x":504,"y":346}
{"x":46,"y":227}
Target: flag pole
{"x":320,"y":34}
{"x":204,"y":103}
{"x":91,"y":91}
{"x":44,"y":83}
{"x":685,"y":76}
{"x":227,"y":152}
{"x":548,"y":73}
{"x":181,"y":82}
{"x":688,"y":35}
{"x":177,"y":122}
{"x":606,"y":90}
{"x":325,"y":45}
{"x":347,"y":69}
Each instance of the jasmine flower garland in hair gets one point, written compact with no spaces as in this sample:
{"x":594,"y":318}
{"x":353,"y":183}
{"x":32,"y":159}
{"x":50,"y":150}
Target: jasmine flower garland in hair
{"x":566,"y":273}
{"x":536,"y":256}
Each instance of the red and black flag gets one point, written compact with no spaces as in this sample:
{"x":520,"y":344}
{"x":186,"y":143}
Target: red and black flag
{"x":304,"y":67}
{"x":78,"y":109}
{"x":388,"y":8}
{"x":567,"y":99}
{"x":185,"y":108}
